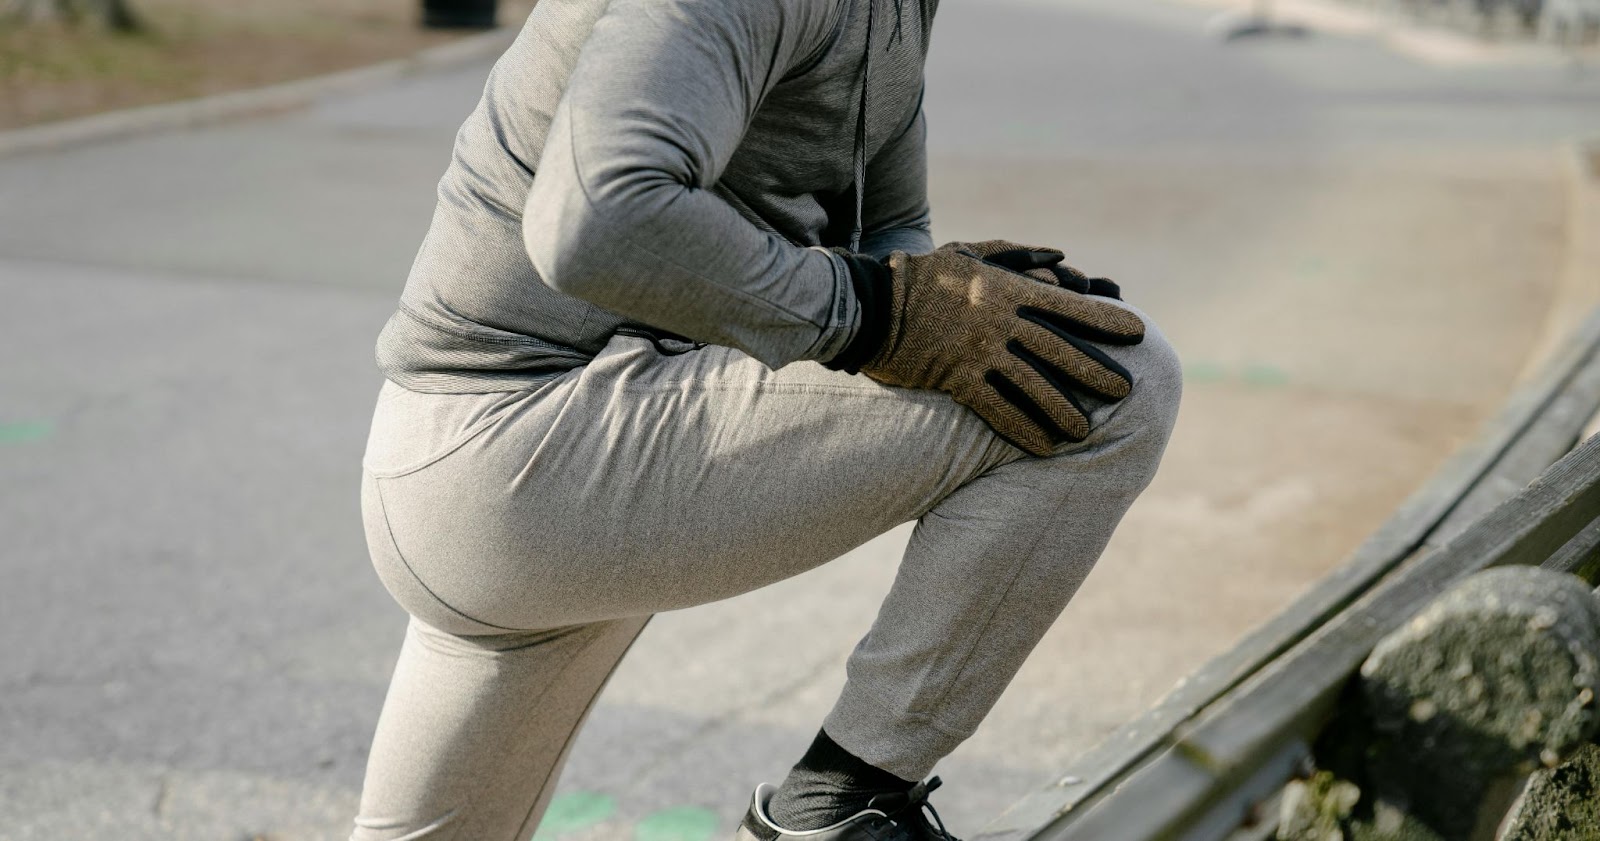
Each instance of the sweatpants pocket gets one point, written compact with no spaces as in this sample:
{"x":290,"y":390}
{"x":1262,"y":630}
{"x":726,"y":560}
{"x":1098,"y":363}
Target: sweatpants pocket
{"x":411,"y":430}
{"x":400,"y":580}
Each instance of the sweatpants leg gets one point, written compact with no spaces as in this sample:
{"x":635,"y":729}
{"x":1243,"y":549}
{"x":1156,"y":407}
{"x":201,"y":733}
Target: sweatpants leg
{"x":646,"y":481}
{"x":987,"y":571}
{"x":476,"y":728}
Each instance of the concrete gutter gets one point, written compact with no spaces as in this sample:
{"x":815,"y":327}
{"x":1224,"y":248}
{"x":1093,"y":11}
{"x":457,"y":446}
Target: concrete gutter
{"x":254,"y":102}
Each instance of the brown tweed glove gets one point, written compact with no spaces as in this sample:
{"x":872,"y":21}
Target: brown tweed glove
{"x":1028,"y":258}
{"x":1001,"y":335}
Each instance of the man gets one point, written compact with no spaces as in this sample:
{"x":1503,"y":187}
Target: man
{"x":679,"y":331}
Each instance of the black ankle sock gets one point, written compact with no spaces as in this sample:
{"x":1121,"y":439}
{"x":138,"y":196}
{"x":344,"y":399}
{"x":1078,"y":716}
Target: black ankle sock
{"x":828,"y":785}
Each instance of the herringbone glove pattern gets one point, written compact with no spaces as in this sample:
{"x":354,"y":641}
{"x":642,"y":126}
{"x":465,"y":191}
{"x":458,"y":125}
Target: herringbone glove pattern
{"x":1002,"y":339}
{"x":1043,"y":265}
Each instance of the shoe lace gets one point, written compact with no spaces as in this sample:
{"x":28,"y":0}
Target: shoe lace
{"x":918,"y":812}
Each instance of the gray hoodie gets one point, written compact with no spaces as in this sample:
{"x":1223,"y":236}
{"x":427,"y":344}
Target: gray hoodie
{"x":675,"y":164}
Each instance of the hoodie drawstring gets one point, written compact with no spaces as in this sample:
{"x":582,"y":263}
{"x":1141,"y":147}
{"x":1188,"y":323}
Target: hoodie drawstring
{"x":860,"y":152}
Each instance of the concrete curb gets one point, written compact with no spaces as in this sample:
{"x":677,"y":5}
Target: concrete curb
{"x":1577,"y":291}
{"x":254,"y":102}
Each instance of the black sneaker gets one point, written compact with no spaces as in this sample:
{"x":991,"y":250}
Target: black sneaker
{"x":888,"y":817}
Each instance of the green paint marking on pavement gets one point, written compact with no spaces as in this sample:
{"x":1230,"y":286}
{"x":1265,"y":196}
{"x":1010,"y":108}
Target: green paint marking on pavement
{"x":22,"y":433}
{"x":574,"y":811}
{"x":1265,"y":376}
{"x":680,"y":823}
{"x":1204,"y":372}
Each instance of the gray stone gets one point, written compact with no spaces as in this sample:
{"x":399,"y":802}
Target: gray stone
{"x":1492,"y":681}
{"x":1497,"y":675}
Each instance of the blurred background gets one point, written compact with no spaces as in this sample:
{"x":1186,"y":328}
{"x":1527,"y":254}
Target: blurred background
{"x":1360,"y":222}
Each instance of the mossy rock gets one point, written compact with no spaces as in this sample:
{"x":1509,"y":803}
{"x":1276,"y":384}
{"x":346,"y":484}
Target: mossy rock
{"x":1561,"y":803}
{"x":1499,"y":675}
{"x":1495,"y":679}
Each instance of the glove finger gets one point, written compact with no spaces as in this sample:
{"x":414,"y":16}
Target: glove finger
{"x":1011,"y":255}
{"x":1064,"y":276}
{"x":1105,"y":287}
{"x":1049,"y":277}
{"x":1008,"y":410}
{"x":1082,"y":316}
{"x":1066,"y":272}
{"x":991,"y":247}
{"x":1046,"y":403}
{"x":1058,"y":273}
{"x":1071,"y":363}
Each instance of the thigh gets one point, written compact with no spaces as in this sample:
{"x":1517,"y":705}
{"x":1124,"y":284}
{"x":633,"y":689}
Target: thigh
{"x":475,"y":729}
{"x":647,"y":481}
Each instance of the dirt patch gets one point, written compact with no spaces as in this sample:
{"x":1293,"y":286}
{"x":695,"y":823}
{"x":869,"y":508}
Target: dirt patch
{"x":198,"y":47}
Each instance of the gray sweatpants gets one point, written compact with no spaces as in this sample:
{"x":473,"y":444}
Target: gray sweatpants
{"x":532,"y":534}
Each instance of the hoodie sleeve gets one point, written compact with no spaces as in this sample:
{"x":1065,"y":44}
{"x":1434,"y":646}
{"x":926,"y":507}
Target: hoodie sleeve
{"x":621,"y":212}
{"x":895,"y":215}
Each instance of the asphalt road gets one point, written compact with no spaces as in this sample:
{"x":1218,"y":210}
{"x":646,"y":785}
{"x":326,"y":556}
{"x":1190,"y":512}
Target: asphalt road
{"x":1353,"y":251}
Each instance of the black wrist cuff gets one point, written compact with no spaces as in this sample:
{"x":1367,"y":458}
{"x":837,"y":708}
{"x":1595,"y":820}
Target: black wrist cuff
{"x":874,"y":300}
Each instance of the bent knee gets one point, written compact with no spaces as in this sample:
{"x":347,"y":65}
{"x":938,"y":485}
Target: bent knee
{"x":1151,"y":406}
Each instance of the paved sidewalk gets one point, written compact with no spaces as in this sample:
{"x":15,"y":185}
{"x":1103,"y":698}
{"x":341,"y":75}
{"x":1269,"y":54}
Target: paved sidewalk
{"x":1352,"y":251}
